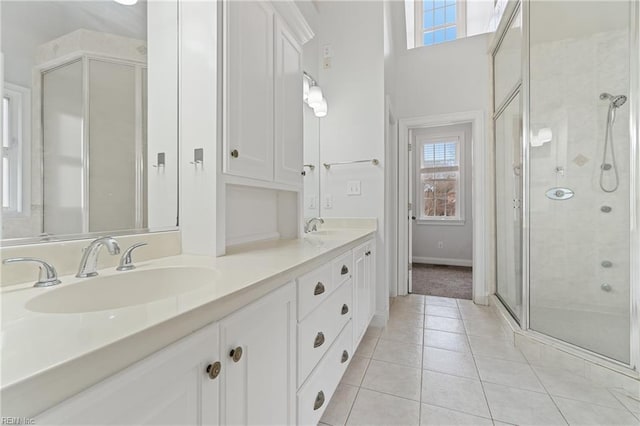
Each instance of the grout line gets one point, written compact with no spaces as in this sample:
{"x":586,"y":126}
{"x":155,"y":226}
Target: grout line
{"x":548,"y":394}
{"x":457,"y":411}
{"x":484,"y":393}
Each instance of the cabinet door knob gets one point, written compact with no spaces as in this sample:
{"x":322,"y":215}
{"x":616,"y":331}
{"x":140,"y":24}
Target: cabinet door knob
{"x":236,"y":354}
{"x":235,"y":153}
{"x":344,"y":270}
{"x":319,"y":340}
{"x":368,"y":253}
{"x":345,"y":357}
{"x":319,"y":289}
{"x":319,"y":401}
{"x":213,"y":370}
{"x":345,"y":309}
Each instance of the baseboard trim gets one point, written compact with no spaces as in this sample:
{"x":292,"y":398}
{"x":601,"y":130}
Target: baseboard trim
{"x":442,"y":261}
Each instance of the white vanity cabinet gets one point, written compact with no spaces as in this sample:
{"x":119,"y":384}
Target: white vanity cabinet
{"x":171,"y":386}
{"x":364,"y":288}
{"x":238,"y":371}
{"x":258,"y":344}
{"x":262,"y":95}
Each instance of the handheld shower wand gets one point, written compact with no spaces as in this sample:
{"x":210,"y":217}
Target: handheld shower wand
{"x":615,"y":102}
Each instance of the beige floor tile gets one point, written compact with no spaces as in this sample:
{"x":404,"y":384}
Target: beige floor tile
{"x":403,"y":333}
{"x":373,"y":331}
{"x":495,"y":347}
{"x":417,"y":321}
{"x":432,"y":415}
{"x":375,"y":408}
{"x":393,"y":379}
{"x":444,"y":324}
{"x":508,"y":373}
{"x":442,"y":311}
{"x":444,"y":361}
{"x":521,"y":407}
{"x":482,"y":327}
{"x":407,"y":354}
{"x":441,"y":301}
{"x":340,"y":405}
{"x":366,"y":347}
{"x":457,"y":393}
{"x":632,"y":404}
{"x":445,"y":340}
{"x":563,"y":383}
{"x":584,"y":413}
{"x":355,"y":372}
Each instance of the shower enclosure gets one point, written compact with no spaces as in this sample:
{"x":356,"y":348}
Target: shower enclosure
{"x":566,"y":162}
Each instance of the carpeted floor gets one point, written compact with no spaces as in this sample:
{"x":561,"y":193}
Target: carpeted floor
{"x":441,"y":280}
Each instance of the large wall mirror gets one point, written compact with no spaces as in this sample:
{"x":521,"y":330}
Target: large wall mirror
{"x":89,"y":118}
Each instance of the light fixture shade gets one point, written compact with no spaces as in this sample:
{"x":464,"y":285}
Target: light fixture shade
{"x":305,"y":90}
{"x":321,"y":109}
{"x":315,"y":96}
{"x":126,"y":2}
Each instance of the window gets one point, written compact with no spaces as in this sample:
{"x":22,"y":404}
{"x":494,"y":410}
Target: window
{"x":438,"y":21}
{"x":439,"y":179}
{"x":14,"y":110}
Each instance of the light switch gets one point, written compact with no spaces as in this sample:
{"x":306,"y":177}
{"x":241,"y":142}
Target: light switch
{"x":328,"y":202}
{"x":353,"y":187}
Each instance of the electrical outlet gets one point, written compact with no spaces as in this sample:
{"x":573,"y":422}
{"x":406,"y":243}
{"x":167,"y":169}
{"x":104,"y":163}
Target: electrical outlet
{"x":328,"y":202}
{"x":312,"y":202}
{"x":327,"y":51}
{"x":440,"y":244}
{"x":326,"y":63}
{"x":353,"y":187}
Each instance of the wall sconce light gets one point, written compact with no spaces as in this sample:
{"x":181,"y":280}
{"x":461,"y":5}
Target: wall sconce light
{"x":312,"y":96}
{"x":321,"y":109}
{"x":544,"y":135}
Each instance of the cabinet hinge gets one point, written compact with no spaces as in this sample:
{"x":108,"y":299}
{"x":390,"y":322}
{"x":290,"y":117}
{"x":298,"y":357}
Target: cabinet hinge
{"x":410,"y":147}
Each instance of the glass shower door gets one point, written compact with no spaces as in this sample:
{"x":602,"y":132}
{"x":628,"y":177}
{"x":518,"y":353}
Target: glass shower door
{"x":579,"y":182}
{"x":508,"y":137}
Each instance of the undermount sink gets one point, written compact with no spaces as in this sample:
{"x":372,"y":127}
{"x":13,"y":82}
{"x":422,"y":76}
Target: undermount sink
{"x":122,"y":290}
{"x":328,"y":233}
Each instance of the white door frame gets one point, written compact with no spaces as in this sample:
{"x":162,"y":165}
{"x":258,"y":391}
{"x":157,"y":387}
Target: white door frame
{"x":480,"y":191}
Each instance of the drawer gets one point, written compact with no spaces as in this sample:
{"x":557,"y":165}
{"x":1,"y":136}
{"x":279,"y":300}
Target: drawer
{"x":342,"y":268}
{"x":315,"y":395}
{"x":317,"y":332}
{"x":313,"y":288}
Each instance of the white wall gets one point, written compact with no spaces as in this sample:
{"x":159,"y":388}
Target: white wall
{"x":354,"y":126}
{"x":456,"y":239}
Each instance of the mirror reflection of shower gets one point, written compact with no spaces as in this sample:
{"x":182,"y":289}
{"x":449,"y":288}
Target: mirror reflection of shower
{"x":615,"y":102}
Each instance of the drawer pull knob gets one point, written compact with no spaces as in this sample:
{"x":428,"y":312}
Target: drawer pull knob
{"x":345,"y":357}
{"x":345,"y":309}
{"x":213,"y":370}
{"x":236,"y":354}
{"x":235,"y":153}
{"x":368,"y":253}
{"x":319,"y":401}
{"x":319,"y":339}
{"x":319,"y":289}
{"x":344,"y":270}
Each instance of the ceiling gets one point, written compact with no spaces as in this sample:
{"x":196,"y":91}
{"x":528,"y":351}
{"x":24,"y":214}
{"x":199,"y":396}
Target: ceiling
{"x":27,"y":24}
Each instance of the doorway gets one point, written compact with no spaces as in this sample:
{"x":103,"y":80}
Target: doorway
{"x":450,"y":135}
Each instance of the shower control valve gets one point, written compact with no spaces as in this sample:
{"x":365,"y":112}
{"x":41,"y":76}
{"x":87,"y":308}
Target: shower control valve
{"x":606,"y":287}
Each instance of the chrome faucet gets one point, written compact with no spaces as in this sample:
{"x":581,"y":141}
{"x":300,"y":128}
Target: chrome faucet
{"x":89,"y":262}
{"x":312,"y":224}
{"x":126,"y":263}
{"x":48,"y":275}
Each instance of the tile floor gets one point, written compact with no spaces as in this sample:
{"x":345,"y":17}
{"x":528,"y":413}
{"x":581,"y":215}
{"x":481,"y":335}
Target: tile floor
{"x":446,"y":361}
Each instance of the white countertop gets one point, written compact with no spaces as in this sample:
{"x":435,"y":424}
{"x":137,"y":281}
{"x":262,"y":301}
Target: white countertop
{"x":48,"y":357}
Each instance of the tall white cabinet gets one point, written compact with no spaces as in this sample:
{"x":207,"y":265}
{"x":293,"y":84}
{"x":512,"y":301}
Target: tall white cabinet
{"x":263,"y":95}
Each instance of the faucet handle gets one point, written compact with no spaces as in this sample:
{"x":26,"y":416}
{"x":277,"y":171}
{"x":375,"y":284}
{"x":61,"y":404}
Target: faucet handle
{"x":126,"y":263}
{"x":48,"y":275}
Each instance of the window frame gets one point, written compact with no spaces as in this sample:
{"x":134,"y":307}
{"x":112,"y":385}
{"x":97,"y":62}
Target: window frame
{"x":420,"y":141}
{"x":418,"y":14}
{"x":19,"y":149}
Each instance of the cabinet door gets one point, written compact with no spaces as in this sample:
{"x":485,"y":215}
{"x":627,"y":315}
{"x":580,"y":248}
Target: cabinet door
{"x":259,"y":385}
{"x":370,"y":259}
{"x":361,"y":302}
{"x":288,"y":111}
{"x":248,"y":81}
{"x":169,"y":387}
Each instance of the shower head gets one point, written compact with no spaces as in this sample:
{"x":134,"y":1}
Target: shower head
{"x":616,"y":101}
